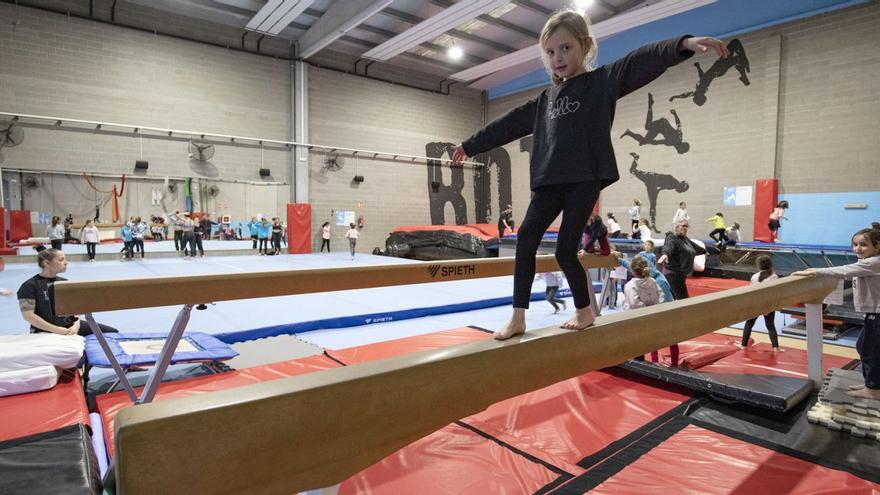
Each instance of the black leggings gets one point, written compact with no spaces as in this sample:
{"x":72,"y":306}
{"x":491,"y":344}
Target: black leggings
{"x":325,"y":242}
{"x":721,"y":233}
{"x":768,"y":322}
{"x":550,"y":296}
{"x":90,"y":249}
{"x":678,"y":284}
{"x":199,"y":246}
{"x":138,"y":245}
{"x":276,"y":243}
{"x":868,"y":347}
{"x":188,"y":241}
{"x":179,"y":244}
{"x":254,"y":238}
{"x":575,"y":202}
{"x":264,"y":245}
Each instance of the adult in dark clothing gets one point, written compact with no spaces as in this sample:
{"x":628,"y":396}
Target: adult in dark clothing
{"x":36,"y":298}
{"x":505,"y":221}
{"x":202,"y":231}
{"x":678,"y":256}
{"x":572,"y":158}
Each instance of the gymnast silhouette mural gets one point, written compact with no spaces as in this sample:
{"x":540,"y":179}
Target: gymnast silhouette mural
{"x":654,"y":183}
{"x":672,"y":136}
{"x":737,"y":60}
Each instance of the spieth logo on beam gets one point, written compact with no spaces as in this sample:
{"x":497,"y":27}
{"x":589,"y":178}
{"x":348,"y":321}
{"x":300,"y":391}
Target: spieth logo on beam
{"x":451,"y":271}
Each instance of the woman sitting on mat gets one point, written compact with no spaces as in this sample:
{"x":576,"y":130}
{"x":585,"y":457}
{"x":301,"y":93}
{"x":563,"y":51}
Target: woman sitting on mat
{"x":36,"y":298}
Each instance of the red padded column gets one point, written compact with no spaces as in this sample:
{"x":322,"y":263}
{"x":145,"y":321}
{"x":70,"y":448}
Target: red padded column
{"x":766,"y":191}
{"x":299,"y":228}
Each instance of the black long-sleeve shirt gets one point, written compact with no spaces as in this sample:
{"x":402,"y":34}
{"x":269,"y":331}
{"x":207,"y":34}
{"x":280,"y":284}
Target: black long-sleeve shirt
{"x":680,"y":253}
{"x":571,"y":122}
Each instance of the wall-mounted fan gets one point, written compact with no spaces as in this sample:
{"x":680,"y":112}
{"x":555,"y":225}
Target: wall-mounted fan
{"x":200,"y":152}
{"x":212,"y":190}
{"x":11,"y":133}
{"x":30,"y":182}
{"x":333,"y":162}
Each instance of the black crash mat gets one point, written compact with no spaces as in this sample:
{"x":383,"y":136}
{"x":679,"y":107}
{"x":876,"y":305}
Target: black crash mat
{"x":777,"y":393}
{"x":791,"y":433}
{"x":57,"y":462}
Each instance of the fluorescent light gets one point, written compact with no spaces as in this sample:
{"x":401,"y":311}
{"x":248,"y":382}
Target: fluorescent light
{"x":276,"y":15}
{"x":455,"y":53}
{"x":432,"y":27}
{"x":601,"y":30}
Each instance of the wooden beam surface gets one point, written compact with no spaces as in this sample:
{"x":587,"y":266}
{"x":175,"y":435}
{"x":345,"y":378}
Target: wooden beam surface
{"x":78,"y":297}
{"x":315,"y":430}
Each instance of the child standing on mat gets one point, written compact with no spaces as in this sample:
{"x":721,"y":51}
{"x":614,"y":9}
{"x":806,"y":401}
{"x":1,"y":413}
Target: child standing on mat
{"x":90,"y":236}
{"x":635,"y":214}
{"x":553,"y":280}
{"x":765,"y":274}
{"x":352,"y":235}
{"x":865,"y":275}
{"x":325,"y":236}
{"x":572,"y":158}
{"x":643,"y":290}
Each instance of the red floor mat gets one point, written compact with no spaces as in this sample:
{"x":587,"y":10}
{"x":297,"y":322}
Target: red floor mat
{"x":453,"y":460}
{"x":408,"y":345}
{"x":573,"y":419}
{"x":696,"y":460}
{"x":46,"y":410}
{"x":698,"y":286}
{"x":700,"y":351}
{"x":759,"y":359}
{"x":109,"y":405}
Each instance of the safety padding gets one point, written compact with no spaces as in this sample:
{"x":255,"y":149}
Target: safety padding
{"x":109,"y":405}
{"x":203,"y":347}
{"x":47,"y":410}
{"x":60,"y":461}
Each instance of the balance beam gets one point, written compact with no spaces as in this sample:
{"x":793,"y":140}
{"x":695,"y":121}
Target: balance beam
{"x":78,"y":297}
{"x":291,"y":434}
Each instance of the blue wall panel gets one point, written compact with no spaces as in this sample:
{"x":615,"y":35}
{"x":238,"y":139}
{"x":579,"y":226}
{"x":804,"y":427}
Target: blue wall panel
{"x":819,"y":218}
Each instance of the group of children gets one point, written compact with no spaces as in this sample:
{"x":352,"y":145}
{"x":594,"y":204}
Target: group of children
{"x":263,"y":231}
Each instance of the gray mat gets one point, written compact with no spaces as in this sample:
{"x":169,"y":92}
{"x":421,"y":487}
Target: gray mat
{"x":836,"y":385}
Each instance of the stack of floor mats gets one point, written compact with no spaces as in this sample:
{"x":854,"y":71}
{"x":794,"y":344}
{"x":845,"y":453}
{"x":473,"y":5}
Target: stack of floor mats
{"x":59,"y":461}
{"x":45,"y":445}
{"x":841,"y":412}
{"x":30,"y":362}
{"x":438,"y":242}
{"x":756,"y":375}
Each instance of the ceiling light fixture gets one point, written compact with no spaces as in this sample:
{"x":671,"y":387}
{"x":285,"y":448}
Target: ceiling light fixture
{"x":432,"y":27}
{"x":276,"y":15}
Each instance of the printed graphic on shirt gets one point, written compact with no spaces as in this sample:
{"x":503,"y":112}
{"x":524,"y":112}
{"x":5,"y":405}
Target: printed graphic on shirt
{"x":562,"y":106}
{"x":654,"y":183}
{"x":737,"y":59}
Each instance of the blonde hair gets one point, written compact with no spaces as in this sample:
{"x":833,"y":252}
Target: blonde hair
{"x":578,"y":25}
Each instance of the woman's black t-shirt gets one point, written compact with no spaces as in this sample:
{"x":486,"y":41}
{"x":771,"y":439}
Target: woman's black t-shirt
{"x":42,"y":291}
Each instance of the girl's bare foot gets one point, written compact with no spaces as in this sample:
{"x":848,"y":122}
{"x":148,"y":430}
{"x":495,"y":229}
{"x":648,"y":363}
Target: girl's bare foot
{"x":516,"y":325}
{"x":583,"y":318}
{"x":865,"y":393}
{"x":855,"y":387}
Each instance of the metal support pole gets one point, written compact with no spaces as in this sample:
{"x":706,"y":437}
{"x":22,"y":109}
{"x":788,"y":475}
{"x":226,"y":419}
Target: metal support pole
{"x":168,"y":349}
{"x":593,"y":304}
{"x":814,"y":344}
{"x":120,"y":373}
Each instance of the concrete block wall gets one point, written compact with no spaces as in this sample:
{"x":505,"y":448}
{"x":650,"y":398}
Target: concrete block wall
{"x":76,"y":68}
{"x":355,"y":112}
{"x":810,"y":117}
